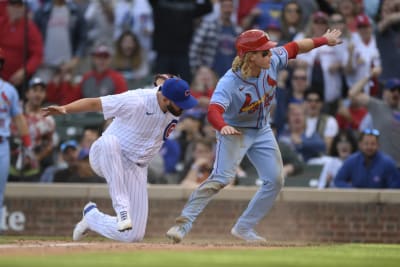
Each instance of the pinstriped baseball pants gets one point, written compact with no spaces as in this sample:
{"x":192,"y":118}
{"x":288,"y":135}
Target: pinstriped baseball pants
{"x":127,"y":187}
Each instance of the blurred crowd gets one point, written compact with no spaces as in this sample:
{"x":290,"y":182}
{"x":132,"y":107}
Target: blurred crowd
{"x":335,"y":107}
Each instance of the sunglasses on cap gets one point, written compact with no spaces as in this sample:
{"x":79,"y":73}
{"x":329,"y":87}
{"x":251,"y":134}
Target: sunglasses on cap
{"x":373,"y":132}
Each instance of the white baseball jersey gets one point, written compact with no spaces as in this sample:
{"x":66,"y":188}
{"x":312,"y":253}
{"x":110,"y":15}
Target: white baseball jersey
{"x":365,"y":56}
{"x":139,"y":123}
{"x":328,"y":56}
{"x":332,"y":81}
{"x":121,"y":155}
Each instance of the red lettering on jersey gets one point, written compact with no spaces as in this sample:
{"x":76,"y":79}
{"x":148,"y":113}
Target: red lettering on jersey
{"x":5,"y":98}
{"x":268,"y":99}
{"x":247,"y":105}
{"x":271,"y":82}
{"x":252,"y":107}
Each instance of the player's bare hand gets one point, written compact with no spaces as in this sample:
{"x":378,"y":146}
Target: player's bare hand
{"x":54,"y":110}
{"x":333,"y":37}
{"x":229,"y":130}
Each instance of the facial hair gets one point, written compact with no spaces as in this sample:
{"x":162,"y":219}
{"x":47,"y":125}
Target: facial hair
{"x":174,"y":112}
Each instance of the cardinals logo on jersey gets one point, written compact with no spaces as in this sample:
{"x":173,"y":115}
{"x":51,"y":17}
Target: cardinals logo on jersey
{"x":170,"y":127}
{"x":6,"y":102}
{"x":271,"y":82}
{"x":250,"y":107}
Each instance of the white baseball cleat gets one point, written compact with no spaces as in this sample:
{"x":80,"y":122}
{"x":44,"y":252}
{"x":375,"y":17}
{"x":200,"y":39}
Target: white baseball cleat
{"x":247,"y":234}
{"x":176,"y":233}
{"x":82,"y":227}
{"x":124,"y":221}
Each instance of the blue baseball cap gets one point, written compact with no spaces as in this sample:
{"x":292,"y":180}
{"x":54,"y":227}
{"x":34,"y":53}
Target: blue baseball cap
{"x":177,"y":90}
{"x":67,"y":144}
{"x":392,"y":84}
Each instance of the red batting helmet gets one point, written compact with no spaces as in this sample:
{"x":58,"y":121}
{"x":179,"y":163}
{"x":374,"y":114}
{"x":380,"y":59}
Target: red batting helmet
{"x":253,"y":40}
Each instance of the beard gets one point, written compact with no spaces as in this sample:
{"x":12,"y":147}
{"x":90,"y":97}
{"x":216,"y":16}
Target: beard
{"x":174,"y":112}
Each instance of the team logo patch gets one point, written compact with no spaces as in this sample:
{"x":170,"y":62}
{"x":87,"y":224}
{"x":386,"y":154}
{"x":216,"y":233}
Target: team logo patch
{"x":170,"y":127}
{"x":187,"y":93}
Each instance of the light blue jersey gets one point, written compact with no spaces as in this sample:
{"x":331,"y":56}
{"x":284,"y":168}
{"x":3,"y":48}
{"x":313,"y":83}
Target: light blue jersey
{"x":9,"y":107}
{"x":247,"y":102}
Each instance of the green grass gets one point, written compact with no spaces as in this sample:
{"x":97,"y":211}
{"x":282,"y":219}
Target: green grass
{"x":338,"y":255}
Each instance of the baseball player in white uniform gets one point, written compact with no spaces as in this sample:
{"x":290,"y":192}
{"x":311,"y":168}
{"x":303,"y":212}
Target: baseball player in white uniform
{"x":143,"y":119}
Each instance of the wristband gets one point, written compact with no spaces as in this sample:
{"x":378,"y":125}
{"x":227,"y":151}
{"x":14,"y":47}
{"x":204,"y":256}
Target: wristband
{"x":319,"y":41}
{"x":26,"y":140}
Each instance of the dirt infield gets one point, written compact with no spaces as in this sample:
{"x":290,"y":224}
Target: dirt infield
{"x":49,"y":247}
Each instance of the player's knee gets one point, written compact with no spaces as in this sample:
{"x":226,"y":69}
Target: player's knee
{"x":275,"y":183}
{"x":212,"y":187}
{"x":132,"y":237}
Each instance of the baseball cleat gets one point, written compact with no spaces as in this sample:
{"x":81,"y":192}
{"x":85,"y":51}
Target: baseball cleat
{"x":80,"y":230}
{"x":124,"y":221}
{"x":176,"y":233}
{"x":82,"y":227}
{"x":247,"y":234}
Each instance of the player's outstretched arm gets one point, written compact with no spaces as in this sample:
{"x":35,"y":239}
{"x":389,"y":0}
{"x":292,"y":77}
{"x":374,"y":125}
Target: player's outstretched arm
{"x":81,"y":105}
{"x":331,"y":38}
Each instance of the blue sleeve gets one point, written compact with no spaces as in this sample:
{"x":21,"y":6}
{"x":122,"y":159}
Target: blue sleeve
{"x":171,"y":155}
{"x":311,"y":147}
{"x":279,"y":58}
{"x":223,"y":92}
{"x":313,"y":144}
{"x":343,"y":177}
{"x":393,"y":175}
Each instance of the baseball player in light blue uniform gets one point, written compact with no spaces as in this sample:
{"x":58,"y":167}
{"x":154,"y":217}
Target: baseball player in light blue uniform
{"x":9,"y":110}
{"x":239,"y":110}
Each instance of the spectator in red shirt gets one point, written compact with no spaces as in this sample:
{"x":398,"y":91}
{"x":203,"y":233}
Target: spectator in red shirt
{"x":350,"y":114}
{"x":14,"y":44}
{"x":100,"y":81}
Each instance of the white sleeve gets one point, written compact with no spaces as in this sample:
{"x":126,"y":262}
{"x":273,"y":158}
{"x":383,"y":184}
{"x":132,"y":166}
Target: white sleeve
{"x":120,"y":105}
{"x":331,"y":128}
